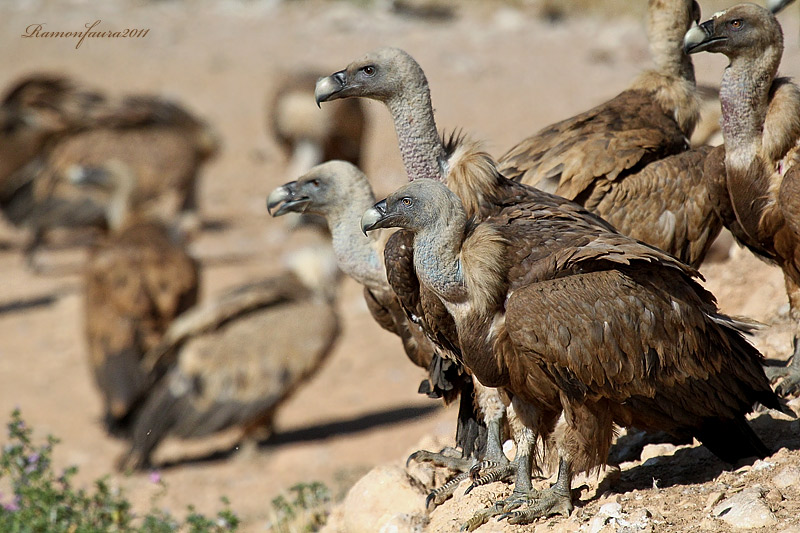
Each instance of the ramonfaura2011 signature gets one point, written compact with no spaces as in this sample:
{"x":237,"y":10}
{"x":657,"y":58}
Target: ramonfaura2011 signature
{"x":38,"y":31}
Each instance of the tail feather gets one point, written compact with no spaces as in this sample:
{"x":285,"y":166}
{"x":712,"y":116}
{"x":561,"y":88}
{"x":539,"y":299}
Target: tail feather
{"x":731,"y":439}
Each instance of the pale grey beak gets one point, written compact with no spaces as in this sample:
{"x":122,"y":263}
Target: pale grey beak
{"x":698,"y":37}
{"x":277,"y":196}
{"x":373,"y":216}
{"x":327,"y":87}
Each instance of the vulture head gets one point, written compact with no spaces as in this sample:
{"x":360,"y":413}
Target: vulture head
{"x":422,"y":204}
{"x":323,"y":190}
{"x":743,"y":30}
{"x":378,"y":75}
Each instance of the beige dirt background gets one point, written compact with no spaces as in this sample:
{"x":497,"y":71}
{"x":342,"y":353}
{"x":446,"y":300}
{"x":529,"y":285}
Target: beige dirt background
{"x":497,"y":69}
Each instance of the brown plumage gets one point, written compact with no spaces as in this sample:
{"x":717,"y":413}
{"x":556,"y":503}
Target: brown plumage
{"x":234,"y":360}
{"x":137,"y":281}
{"x":56,"y":130}
{"x":579,"y":322}
{"x":758,"y":195}
{"x":627,"y":158}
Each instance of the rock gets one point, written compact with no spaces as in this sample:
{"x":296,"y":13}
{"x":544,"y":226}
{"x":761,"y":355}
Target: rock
{"x":788,"y":477}
{"x":746,"y":509}
{"x":404,"y":523}
{"x":657,"y":450}
{"x":385,"y":497}
{"x":713,"y":499}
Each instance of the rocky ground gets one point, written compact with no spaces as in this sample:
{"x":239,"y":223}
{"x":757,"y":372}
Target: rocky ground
{"x":499,"y":71}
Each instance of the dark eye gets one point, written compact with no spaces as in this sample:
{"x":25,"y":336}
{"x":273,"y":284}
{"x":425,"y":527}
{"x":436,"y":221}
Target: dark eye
{"x":736,"y":24}
{"x":369,"y":70}
{"x":407,"y":201}
{"x":314,"y":183}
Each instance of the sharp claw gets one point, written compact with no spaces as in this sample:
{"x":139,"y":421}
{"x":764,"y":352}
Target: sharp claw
{"x":431,"y":499}
{"x":412,"y":457}
{"x":469,"y":489}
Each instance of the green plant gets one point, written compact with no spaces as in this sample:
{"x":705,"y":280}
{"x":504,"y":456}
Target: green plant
{"x":304,"y":508}
{"x":43,"y":501}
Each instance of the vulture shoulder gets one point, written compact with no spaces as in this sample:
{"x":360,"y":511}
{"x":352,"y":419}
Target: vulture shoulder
{"x":613,"y":139}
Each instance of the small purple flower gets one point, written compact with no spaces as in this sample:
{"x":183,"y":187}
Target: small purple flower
{"x":33,"y":458}
{"x":155,"y":477}
{"x":13,"y":505}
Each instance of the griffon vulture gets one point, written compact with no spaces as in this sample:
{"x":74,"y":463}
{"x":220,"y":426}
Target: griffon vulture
{"x":234,"y":360}
{"x":628,"y":159}
{"x":137,"y":281}
{"x":585,"y":323}
{"x":340,"y":193}
{"x":758,"y":194}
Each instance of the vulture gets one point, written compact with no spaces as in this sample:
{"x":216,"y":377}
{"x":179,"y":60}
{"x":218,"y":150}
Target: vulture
{"x":582,"y":324}
{"x":309,"y":136}
{"x":233,"y":361}
{"x":628,"y":159}
{"x":340,"y":193}
{"x":137,"y":282}
{"x":757,"y":195}
{"x":393,"y":77}
{"x":54,"y":129}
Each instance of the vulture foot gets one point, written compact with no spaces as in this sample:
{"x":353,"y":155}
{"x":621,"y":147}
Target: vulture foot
{"x":525,"y":508}
{"x":789,"y":374}
{"x":487,"y":472}
{"x":447,"y":458}
{"x":441,"y":494}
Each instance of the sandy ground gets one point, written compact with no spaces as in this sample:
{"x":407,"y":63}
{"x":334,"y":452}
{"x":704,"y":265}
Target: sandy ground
{"x":499,"y":72}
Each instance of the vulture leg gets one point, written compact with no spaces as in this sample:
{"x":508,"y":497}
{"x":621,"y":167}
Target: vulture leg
{"x":791,"y":372}
{"x":548,"y":502}
{"x":494,"y":460}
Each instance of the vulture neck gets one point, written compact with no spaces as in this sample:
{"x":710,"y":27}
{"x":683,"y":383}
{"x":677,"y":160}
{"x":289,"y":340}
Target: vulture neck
{"x":437,"y":258}
{"x":744,"y":95}
{"x":420,"y":145}
{"x":672,"y":81}
{"x":120,"y":205}
{"x":358,"y":256}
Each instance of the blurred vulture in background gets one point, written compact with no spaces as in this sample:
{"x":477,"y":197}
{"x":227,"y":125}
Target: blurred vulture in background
{"x":137,"y":281}
{"x":755,"y":176}
{"x":232,"y":361}
{"x":53,"y":129}
{"x":309,"y":135}
{"x":628,"y":159}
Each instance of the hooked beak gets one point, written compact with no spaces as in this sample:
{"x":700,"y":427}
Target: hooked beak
{"x":374,"y":217}
{"x":700,"y":37}
{"x":285,"y":196}
{"x":328,"y":88}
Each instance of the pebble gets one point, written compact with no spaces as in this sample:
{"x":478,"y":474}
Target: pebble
{"x":788,"y":477}
{"x":746,"y":509}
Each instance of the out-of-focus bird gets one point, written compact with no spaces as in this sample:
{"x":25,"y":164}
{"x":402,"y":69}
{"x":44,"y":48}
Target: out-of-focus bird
{"x":234,"y":360}
{"x":137,"y":281}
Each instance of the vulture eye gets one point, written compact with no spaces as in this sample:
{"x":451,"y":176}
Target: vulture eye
{"x":314,"y":183}
{"x":407,"y":201}
{"x":369,"y":70}
{"x":736,"y":24}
